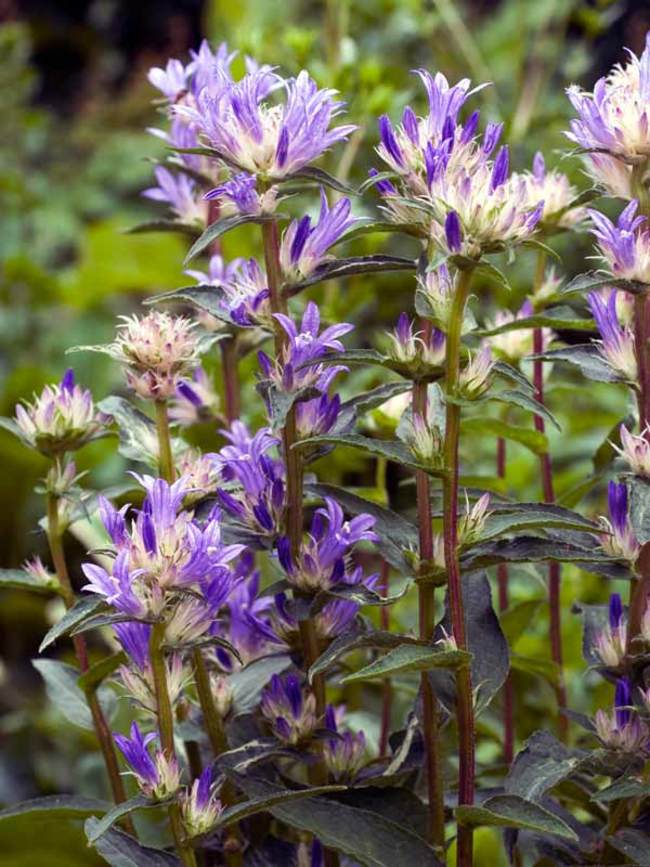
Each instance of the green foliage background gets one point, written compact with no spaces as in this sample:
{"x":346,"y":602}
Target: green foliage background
{"x":69,"y":187}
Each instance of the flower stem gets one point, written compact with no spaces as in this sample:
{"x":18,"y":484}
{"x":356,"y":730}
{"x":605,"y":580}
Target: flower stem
{"x":165,"y":459}
{"x":426,"y":617}
{"x":230,"y":377}
{"x":502,"y":580}
{"x":54,"y":536}
{"x":464,"y":701}
{"x":166,"y":734}
{"x":387,"y":688}
{"x":554,"y":570}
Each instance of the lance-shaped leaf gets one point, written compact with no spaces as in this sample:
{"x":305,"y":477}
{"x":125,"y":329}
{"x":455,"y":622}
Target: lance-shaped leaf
{"x":220,"y":227}
{"x":139,"y":802}
{"x":358,"y":593}
{"x":138,"y":438}
{"x":369,"y":838}
{"x":396,"y":534}
{"x":375,"y":397}
{"x":83,"y":609}
{"x":559,"y":318}
{"x":410,"y":657}
{"x":373,"y":227}
{"x":263,"y":803}
{"x":532,"y":439}
{"x":510,"y":518}
{"x":64,"y":692}
{"x":321,"y":177}
{"x":511,"y":811}
{"x":121,"y":850}
{"x":587,"y":358}
{"x":392,"y":450}
{"x":520,"y":398}
{"x":595,"y":619}
{"x":512,"y":374}
{"x":531,"y":549}
{"x":351,"y":640}
{"x":485,"y":642}
{"x":336,"y":269}
{"x":149,"y":226}
{"x":98,"y":672}
{"x":202,"y":296}
{"x":57,"y":807}
{"x":20,"y":579}
{"x":591,"y":281}
{"x":625,"y":788}
{"x":542,"y":763}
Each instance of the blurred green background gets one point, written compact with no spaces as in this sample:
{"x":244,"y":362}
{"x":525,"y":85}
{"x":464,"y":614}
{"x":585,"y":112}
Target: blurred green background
{"x":74,"y":157}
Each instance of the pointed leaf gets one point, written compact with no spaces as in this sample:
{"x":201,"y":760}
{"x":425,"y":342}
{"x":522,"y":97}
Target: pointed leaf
{"x":64,"y":692}
{"x":393,"y":450}
{"x":57,"y":806}
{"x":263,"y":803}
{"x":519,"y":398}
{"x":587,"y":358}
{"x":533,"y":440}
{"x":193,"y":231}
{"x":320,"y":176}
{"x":84,"y":608}
{"x":20,"y":579}
{"x":98,"y":672}
{"x":513,"y":812}
{"x":410,"y":657}
{"x":121,"y":850}
{"x":139,"y":802}
{"x":220,"y":227}
{"x":559,"y":318}
{"x":350,"y":641}
{"x":336,"y":269}
{"x":594,"y":280}
{"x":541,"y":764}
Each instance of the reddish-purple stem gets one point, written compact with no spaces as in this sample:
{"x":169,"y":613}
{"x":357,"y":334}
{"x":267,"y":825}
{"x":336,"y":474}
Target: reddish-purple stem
{"x":502,"y":579}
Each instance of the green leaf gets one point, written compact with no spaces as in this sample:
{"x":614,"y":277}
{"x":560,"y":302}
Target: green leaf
{"x":393,"y":450}
{"x":493,"y":274}
{"x":372,"y":227}
{"x":164,"y":226}
{"x":320,"y":176}
{"x":514,"y":812}
{"x":369,"y":838}
{"x":98,"y":672}
{"x":587,"y":358}
{"x":337,"y":269}
{"x":559,"y":318}
{"x":523,"y":400}
{"x":139,"y":802}
{"x":527,"y":516}
{"x":64,"y":692}
{"x":410,"y":657}
{"x":605,"y":454}
{"x":358,"y":593}
{"x":281,"y":402}
{"x":203,"y":297}
{"x":542,"y":763}
{"x":350,"y":641}
{"x":248,"y":682}
{"x":544,"y":668}
{"x":533,"y":440}
{"x":530,"y":549}
{"x":120,"y":850}
{"x":85,"y":607}
{"x":19,"y":579}
{"x":57,"y":806}
{"x":625,"y":788}
{"x":516,"y":619}
{"x":138,"y":438}
{"x":263,"y":803}
{"x":633,"y":843}
{"x":374,"y":179}
{"x":593,"y":280}
{"x":220,"y":227}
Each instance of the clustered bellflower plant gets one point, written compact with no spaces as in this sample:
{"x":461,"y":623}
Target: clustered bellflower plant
{"x":240,"y":591}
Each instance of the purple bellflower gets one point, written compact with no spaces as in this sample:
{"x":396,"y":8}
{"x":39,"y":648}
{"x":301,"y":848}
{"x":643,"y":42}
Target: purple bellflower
{"x":624,"y":246}
{"x":157,"y":776}
{"x":622,"y":729}
{"x":200,"y":807}
{"x":343,"y":753}
{"x":182,"y":195}
{"x":610,"y":643}
{"x":619,"y":539}
{"x":289,"y":709}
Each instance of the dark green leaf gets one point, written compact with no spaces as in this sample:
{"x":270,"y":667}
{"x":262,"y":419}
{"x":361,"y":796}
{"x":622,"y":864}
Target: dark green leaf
{"x":542,"y":763}
{"x":518,"y":397}
{"x":632,"y":843}
{"x":531,"y":516}
{"x":514,"y":812}
{"x":587,"y":358}
{"x":393,"y":450}
{"x":320,"y":176}
{"x":410,"y":657}
{"x":57,"y":806}
{"x":83,"y":609}
{"x":220,"y":227}
{"x":207,"y":298}
{"x":356,"y":593}
{"x":593,"y":280}
{"x":351,"y":641}
{"x":368,"y":400}
{"x":139,"y":802}
{"x":64,"y":692}
{"x":120,"y":850}
{"x":370,"y":839}
{"x":263,"y":803}
{"x":339,"y":268}
{"x":372,"y":227}
{"x":639,"y":509}
{"x":556,"y":317}
{"x":530,"y":549}
{"x":627,"y":788}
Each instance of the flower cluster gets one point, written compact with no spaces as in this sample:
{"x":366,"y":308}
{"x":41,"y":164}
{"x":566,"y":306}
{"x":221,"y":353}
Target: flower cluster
{"x":290,"y":710}
{"x":182,"y":195}
{"x":158,"y":351}
{"x":62,"y":418}
{"x":556,"y":192}
{"x":613,"y":123}
{"x":158,"y":776}
{"x":344,"y":753}
{"x":322,"y":562}
{"x":611,"y":642}
{"x":622,"y":729}
{"x":619,"y":539}
{"x":635,"y":451}
{"x":624,"y":246}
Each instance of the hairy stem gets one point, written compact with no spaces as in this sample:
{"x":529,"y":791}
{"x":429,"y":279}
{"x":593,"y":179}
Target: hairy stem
{"x":387,"y":687}
{"x":54,"y":537}
{"x":502,"y":581}
{"x":166,"y":734}
{"x":426,"y":617}
{"x":230,"y":377}
{"x":165,"y":458}
{"x":465,"y":707}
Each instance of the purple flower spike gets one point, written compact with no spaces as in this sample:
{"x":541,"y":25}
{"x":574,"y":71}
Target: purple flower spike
{"x":622,"y":702}
{"x":134,"y":750}
{"x":617,"y":500}
{"x":617,"y":346}
{"x":453,"y":232}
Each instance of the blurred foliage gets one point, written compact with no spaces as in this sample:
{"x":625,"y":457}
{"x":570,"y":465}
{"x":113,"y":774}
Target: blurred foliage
{"x":69,"y":187}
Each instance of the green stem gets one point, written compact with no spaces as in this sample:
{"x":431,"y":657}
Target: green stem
{"x":426,"y":618}
{"x":54,"y":536}
{"x":166,"y":734}
{"x":165,"y":458}
{"x":465,"y":707}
